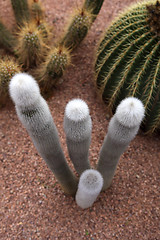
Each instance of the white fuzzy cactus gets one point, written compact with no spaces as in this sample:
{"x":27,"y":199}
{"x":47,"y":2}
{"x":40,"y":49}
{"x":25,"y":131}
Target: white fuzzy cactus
{"x":89,"y":187}
{"x":35,"y":115}
{"x":123,"y":127}
{"x":78,"y":128}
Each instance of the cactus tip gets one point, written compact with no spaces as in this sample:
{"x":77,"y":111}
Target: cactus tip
{"x":23,"y":89}
{"x":130,"y":112}
{"x":77,"y":110}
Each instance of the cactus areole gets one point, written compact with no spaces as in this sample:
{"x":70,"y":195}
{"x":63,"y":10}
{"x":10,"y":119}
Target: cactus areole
{"x":128,"y":61}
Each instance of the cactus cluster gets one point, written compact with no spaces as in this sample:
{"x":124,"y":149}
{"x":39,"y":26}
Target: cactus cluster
{"x":35,"y":116}
{"x":128,"y":61}
{"x":31,"y":41}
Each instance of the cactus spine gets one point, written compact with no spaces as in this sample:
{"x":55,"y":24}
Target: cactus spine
{"x":128,"y":61}
{"x":94,"y":6}
{"x":78,"y":128}
{"x":77,"y":28}
{"x":34,"y":114}
{"x":89,"y":187}
{"x":123,"y":127}
{"x":30,"y":48}
{"x":8,"y":68}
{"x":21,"y":11}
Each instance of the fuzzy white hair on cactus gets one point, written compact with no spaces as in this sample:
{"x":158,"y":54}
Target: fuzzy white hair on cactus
{"x":89,"y":187}
{"x":130,"y":112}
{"x":77,"y":110}
{"x":24,"y":89}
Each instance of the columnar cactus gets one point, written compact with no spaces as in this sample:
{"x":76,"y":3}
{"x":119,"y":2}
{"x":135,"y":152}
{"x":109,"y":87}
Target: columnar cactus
{"x":35,"y":115}
{"x":78,"y":128}
{"x":8,"y":68}
{"x":77,"y":28}
{"x":123,"y":127}
{"x":94,"y":6}
{"x":128,"y":61}
{"x":31,"y":47}
{"x":21,"y":11}
{"x":56,"y":62}
{"x":89,"y":187}
{"x":7,"y":40}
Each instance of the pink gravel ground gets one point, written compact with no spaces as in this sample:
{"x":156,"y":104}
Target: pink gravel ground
{"x":32,"y":205}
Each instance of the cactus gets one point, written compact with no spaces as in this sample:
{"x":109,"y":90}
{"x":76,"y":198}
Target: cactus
{"x":31,"y":48}
{"x":94,"y":6}
{"x":128,"y":61}
{"x":36,"y":10}
{"x":78,"y":127}
{"x":89,"y":187}
{"x":34,"y":114}
{"x":123,"y":127}
{"x":8,"y":68}
{"x":21,"y":11}
{"x":52,"y":68}
{"x":77,"y":28}
{"x":7,"y":40}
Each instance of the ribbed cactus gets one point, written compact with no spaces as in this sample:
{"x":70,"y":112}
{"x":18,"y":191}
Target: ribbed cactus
{"x":78,"y":128}
{"x":31,"y":47}
{"x":7,"y":40}
{"x":89,"y":187}
{"x":8,"y":68}
{"x":21,"y":11}
{"x":128,"y":61}
{"x":123,"y":127}
{"x":35,"y":115}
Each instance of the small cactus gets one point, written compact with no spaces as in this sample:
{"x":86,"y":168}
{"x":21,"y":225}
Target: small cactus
{"x":36,"y":10}
{"x":78,"y":128}
{"x":35,"y":115}
{"x":8,"y":68}
{"x":21,"y":11}
{"x":123,"y":127}
{"x":94,"y":6}
{"x":89,"y":187}
{"x":7,"y":40}
{"x":77,"y":28}
{"x":57,"y":60}
{"x":31,"y":48}
{"x":128,"y":61}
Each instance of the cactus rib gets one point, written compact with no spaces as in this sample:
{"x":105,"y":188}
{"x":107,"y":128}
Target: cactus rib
{"x":127,"y":60}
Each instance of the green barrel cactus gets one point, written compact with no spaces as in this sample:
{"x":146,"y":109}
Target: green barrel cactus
{"x":128,"y":61}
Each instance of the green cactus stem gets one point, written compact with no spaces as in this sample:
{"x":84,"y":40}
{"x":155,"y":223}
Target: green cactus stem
{"x":77,"y":28}
{"x":50,"y":71}
{"x":35,"y":115}
{"x":31,"y":48}
{"x":128,"y":61}
{"x":7,"y":40}
{"x":94,"y":6}
{"x":36,"y":10}
{"x":21,"y":11}
{"x":8,"y":68}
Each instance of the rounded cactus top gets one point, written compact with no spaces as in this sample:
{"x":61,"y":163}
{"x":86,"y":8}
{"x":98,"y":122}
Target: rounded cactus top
{"x":130,"y":112}
{"x":77,"y":110}
{"x":91,"y":181}
{"x":24,"y":89}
